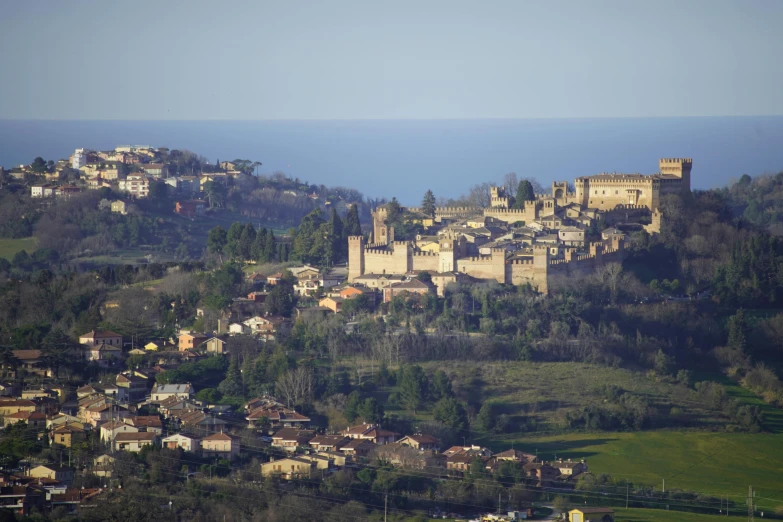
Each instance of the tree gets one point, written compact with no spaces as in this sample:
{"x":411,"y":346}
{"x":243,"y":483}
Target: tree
{"x":232,"y":239}
{"x":413,"y":387}
{"x":296,"y":386}
{"x":38,"y":165}
{"x":352,"y":406}
{"x":451,"y":413}
{"x":479,"y":195}
{"x":159,"y":191}
{"x":336,"y":241}
{"x":352,"y":225}
{"x":246,"y":241}
{"x":371,"y":411}
{"x":510,"y":184}
{"x":308,"y":245}
{"x":393,"y":211}
{"x":738,"y":328}
{"x":55,"y":350}
{"x":280,"y":300}
{"x":441,"y":386}
{"x":428,"y":203}
{"x":486,"y":418}
{"x":524,"y":193}
{"x":216,"y":193}
{"x":216,"y":241}
{"x":232,"y":384}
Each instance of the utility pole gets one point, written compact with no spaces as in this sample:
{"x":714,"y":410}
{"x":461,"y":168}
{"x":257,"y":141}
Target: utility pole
{"x":498,"y":503}
{"x":626,"y":493}
{"x":663,"y":489}
{"x":385,"y":502}
{"x":750,"y":503}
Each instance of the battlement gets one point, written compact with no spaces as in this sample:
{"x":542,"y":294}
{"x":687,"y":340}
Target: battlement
{"x":454,"y":210}
{"x":520,"y":262}
{"x":479,"y":259}
{"x":378,"y":252}
{"x":676,"y":161}
{"x":503,"y":211}
{"x":353,"y":239}
{"x":425,"y":254}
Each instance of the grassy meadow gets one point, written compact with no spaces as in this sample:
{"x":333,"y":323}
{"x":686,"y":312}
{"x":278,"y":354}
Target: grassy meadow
{"x":9,"y":247}
{"x":707,"y":457}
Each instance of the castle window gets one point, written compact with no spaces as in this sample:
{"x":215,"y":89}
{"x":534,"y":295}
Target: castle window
{"x":616,"y":192}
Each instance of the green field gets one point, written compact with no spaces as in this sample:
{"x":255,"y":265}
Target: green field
{"x":130,"y":256}
{"x":545,"y":392}
{"x":9,"y":247}
{"x":709,"y":463}
{"x":706,"y":458}
{"x":659,"y":515}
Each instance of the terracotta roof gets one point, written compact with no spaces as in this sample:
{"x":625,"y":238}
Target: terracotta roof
{"x":292,"y":434}
{"x":135,"y":436}
{"x":100,"y":334}
{"x":220,"y":436}
{"x":28,"y":415}
{"x":23,"y":355}
{"x":151,"y":421}
{"x":423,"y":439}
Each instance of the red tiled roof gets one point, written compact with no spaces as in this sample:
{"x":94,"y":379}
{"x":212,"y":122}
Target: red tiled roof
{"x":133,"y":437}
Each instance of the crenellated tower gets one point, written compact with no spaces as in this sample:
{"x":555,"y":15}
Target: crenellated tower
{"x":680,"y":167}
{"x":355,"y":257}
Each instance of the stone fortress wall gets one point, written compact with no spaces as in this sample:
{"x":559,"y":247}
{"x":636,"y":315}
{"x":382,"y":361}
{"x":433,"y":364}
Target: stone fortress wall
{"x":612,"y":197}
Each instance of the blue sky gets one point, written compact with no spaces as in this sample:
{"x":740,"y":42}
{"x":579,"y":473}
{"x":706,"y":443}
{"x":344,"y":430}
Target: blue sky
{"x":422,"y":59}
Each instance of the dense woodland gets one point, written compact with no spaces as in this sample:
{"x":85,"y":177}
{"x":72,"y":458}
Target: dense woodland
{"x":718,"y":248}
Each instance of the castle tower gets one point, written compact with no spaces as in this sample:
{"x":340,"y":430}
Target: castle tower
{"x":355,"y":257}
{"x":541,"y":267}
{"x":559,"y":190}
{"x":447,"y":259}
{"x":498,"y":198}
{"x":380,"y":231}
{"x":680,"y":167}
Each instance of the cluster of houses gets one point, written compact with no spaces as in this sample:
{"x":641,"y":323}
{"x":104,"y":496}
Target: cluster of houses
{"x":134,"y":170}
{"x":304,"y":453}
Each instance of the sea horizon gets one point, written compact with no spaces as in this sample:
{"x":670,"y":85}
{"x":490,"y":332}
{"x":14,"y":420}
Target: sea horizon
{"x":405,"y":157}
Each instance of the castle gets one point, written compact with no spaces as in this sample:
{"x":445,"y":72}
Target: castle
{"x":534,"y":244}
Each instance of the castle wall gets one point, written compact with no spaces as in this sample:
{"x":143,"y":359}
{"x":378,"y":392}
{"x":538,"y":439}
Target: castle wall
{"x":383,"y":261}
{"x":426,"y":261}
{"x":512,"y":215}
{"x":484,"y":267}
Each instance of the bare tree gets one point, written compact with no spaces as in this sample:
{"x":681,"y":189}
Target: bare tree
{"x":613,"y":277}
{"x":510,"y":184}
{"x":296,"y":386}
{"x":479,"y":195}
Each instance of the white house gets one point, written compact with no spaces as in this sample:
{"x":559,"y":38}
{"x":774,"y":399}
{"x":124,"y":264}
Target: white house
{"x":185,"y":441}
{"x":162,"y":392}
{"x":134,"y":441}
{"x":111,"y":429}
{"x":238,"y":328}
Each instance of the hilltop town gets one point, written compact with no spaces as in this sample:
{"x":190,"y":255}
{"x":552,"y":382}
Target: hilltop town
{"x":421,"y":353}
{"x":532,"y":242}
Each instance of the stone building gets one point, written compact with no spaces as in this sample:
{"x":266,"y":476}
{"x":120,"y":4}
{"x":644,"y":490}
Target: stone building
{"x":557,"y":247}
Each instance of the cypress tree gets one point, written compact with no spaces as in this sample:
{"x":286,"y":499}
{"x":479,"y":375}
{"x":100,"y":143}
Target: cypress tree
{"x":352,"y":225}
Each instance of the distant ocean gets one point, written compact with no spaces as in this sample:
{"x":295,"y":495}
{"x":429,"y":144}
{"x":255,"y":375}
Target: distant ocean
{"x":405,"y":158}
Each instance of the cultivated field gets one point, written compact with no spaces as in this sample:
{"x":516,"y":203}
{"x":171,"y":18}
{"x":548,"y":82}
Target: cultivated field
{"x":9,"y":247}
